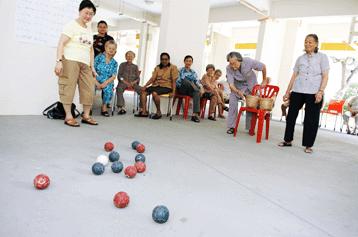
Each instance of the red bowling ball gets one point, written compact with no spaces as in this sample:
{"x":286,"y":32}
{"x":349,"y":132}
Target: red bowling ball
{"x":140,"y":148}
{"x":121,"y":199}
{"x":108,"y":146}
{"x":41,"y":181}
{"x":140,"y":166}
{"x":130,"y":171}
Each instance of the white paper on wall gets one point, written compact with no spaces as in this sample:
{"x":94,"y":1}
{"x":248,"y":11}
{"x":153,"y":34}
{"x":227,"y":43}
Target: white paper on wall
{"x":42,"y":21}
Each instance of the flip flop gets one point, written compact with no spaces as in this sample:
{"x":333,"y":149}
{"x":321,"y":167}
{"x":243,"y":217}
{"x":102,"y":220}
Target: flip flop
{"x":282,"y":144}
{"x":89,"y":121}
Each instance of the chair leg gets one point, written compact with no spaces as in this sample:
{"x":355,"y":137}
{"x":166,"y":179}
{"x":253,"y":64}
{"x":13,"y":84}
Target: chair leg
{"x":253,"y":124}
{"x":335,"y":122}
{"x":260,"y":126}
{"x":169,"y":108}
{"x":186,"y":107}
{"x":178,"y":106}
{"x":268,"y":118}
{"x":114,"y":103}
{"x":237,"y":122}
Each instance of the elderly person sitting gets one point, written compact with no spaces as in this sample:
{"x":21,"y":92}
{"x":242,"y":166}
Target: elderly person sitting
{"x":241,"y":78}
{"x":128,"y":77}
{"x":162,"y":82}
{"x":352,"y":112}
{"x":208,"y":82}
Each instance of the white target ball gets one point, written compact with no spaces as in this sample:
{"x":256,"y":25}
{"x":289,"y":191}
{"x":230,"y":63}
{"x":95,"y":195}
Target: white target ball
{"x":103,"y":159}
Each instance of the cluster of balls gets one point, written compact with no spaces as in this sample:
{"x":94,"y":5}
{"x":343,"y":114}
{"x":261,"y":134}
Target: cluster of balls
{"x":130,"y":171}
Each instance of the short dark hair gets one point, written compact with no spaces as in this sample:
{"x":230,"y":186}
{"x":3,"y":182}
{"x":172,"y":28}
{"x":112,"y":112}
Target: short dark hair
{"x":234,"y":54}
{"x":161,"y":55}
{"x":210,"y":66}
{"x":87,"y":4}
{"x":218,"y":70}
{"x":188,"y":56}
{"x":102,"y":22}
{"x":164,"y":54}
{"x":315,"y":38}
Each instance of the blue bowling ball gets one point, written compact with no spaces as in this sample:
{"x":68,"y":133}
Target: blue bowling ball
{"x":135,"y":144}
{"x":160,"y":214}
{"x":117,"y":167}
{"x":113,"y":156}
{"x":139,"y":157}
{"x":97,"y":168}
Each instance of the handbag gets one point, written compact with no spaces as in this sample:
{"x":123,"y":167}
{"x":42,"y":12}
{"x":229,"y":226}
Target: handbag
{"x":56,"y":111}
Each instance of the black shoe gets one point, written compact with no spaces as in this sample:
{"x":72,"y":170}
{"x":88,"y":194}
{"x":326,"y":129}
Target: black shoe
{"x":140,"y":114}
{"x":212,"y":118}
{"x":195,"y":119}
{"x":105,"y":113}
{"x":230,"y":131}
{"x":156,"y":116}
{"x":226,"y":109}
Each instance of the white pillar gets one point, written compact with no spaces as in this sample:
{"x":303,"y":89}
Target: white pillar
{"x":142,"y":51}
{"x":183,"y":28}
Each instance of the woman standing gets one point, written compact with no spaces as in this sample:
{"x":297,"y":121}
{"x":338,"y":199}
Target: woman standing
{"x":306,"y":87}
{"x":74,"y":64}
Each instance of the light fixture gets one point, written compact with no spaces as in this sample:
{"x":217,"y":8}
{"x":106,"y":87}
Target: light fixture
{"x":149,"y":2}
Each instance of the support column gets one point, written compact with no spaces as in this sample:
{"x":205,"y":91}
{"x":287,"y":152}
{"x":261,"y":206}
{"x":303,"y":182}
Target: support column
{"x":142,"y":51}
{"x":183,"y":28}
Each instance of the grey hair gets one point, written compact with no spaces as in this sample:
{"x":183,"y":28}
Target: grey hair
{"x":234,"y":54}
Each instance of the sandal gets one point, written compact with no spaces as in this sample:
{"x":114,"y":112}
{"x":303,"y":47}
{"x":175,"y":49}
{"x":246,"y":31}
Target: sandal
{"x":156,"y":116}
{"x":221,"y":116}
{"x":140,"y":114}
{"x":122,"y":111}
{"x":282,"y":144}
{"x":230,"y":131}
{"x":72,"y":122}
{"x":212,"y":118}
{"x":89,"y":121}
{"x":308,"y":150}
{"x":105,"y":113}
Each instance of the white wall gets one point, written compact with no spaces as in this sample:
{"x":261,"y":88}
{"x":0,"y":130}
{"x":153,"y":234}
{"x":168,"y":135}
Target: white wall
{"x":28,"y":83}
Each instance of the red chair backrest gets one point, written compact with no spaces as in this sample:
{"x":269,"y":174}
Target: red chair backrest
{"x":336,"y":106}
{"x":265,"y":92}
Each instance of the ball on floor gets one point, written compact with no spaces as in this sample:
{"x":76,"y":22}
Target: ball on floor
{"x":130,"y":171}
{"x":160,"y":214}
{"x":41,"y":181}
{"x":121,"y":199}
{"x":97,"y":168}
{"x":113,"y":156}
{"x":139,"y":157}
{"x":103,"y":159}
{"x":108,"y":146}
{"x":140,"y":148}
{"x":117,"y":167}
{"x":140,"y":166}
{"x":135,"y":144}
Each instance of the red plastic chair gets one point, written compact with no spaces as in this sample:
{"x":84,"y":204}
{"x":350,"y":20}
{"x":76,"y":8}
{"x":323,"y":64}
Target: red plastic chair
{"x":265,"y":92}
{"x":335,"y":107}
{"x":180,"y":99}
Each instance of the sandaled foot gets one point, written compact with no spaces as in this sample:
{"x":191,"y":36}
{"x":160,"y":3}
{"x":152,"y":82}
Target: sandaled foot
{"x":212,"y":118}
{"x":156,"y":116}
{"x":308,"y":150}
{"x":105,"y":113}
{"x":195,"y":119}
{"x":141,"y":114}
{"x":282,"y":144}
{"x":221,"y":116}
{"x":72,"y":122}
{"x":89,"y":121}
{"x":230,"y":131}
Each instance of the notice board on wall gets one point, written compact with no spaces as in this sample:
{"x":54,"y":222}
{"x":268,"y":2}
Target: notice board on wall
{"x":42,"y":21}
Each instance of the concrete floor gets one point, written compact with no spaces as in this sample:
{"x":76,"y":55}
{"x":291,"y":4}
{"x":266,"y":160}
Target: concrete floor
{"x":213,"y":184}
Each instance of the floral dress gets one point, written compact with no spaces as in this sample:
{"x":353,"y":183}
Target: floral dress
{"x":105,"y":71}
